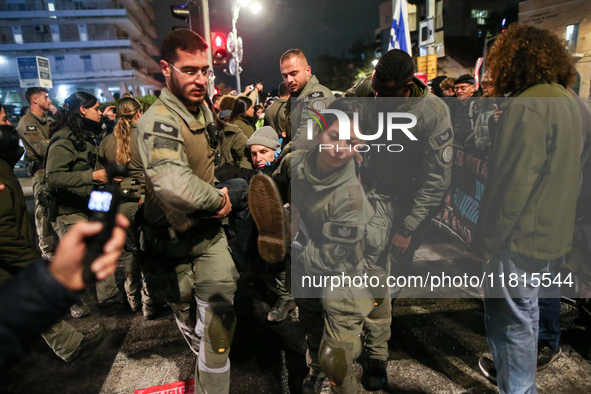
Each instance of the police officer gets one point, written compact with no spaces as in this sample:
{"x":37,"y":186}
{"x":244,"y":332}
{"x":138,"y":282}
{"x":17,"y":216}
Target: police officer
{"x":275,"y":114}
{"x":33,"y":129}
{"x":69,"y":171}
{"x":182,"y":232}
{"x":303,"y":86}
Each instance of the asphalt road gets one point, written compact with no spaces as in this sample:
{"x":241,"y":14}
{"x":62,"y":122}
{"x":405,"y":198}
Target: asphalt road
{"x":434,"y":348}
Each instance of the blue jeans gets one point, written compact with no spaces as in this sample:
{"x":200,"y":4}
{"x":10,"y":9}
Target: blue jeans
{"x":549,"y":302}
{"x":511,"y":319}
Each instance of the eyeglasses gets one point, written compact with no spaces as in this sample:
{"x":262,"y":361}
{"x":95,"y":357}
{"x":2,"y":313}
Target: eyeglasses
{"x":207,"y":73}
{"x":462,"y":87}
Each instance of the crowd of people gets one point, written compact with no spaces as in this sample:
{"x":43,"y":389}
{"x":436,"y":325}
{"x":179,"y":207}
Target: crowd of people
{"x":216,"y":188}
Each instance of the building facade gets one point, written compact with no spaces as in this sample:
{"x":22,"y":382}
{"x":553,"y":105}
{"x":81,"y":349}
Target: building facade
{"x":103,"y":47}
{"x":570,"y":20}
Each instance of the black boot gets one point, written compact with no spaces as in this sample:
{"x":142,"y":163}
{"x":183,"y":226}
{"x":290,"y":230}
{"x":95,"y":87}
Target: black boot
{"x":312,"y":385}
{"x":374,"y":375}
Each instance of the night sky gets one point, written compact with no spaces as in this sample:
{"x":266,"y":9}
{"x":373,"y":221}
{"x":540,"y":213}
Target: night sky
{"x":318,"y":27}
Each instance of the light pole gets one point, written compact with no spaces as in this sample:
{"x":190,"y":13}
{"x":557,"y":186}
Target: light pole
{"x":237,"y":5}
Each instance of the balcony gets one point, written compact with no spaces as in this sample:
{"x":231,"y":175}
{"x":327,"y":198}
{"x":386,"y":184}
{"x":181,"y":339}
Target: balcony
{"x":69,"y":46}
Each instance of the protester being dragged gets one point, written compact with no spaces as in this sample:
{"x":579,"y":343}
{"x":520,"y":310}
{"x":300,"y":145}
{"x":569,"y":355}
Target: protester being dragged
{"x":243,"y":115}
{"x":263,"y":148}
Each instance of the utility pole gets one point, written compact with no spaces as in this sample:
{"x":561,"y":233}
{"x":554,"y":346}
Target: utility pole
{"x":207,"y":34}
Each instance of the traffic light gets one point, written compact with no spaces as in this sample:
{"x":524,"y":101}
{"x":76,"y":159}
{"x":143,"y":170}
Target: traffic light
{"x":218,"y":48}
{"x":180,"y":12}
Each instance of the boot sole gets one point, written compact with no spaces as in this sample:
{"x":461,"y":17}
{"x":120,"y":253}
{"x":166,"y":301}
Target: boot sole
{"x":266,"y":208}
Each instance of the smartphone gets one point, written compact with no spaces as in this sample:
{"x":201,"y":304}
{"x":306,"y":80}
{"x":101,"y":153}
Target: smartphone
{"x":103,"y":206}
{"x":251,"y":87}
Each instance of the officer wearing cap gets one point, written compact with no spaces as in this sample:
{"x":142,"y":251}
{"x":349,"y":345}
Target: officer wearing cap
{"x":33,"y":129}
{"x":307,"y":92}
{"x":182,"y":232}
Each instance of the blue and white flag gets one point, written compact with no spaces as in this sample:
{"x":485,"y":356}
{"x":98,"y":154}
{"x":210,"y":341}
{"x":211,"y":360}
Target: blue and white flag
{"x":400,"y":34}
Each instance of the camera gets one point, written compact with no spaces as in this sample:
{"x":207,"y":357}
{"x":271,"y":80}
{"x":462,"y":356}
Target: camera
{"x":103,"y":206}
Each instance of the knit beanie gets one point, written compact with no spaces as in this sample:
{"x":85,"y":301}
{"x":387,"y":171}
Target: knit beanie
{"x":265,"y":136}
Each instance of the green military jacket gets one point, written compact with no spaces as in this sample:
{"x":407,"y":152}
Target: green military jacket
{"x":132,"y":186}
{"x":275,"y":116}
{"x":422,"y":171}
{"x":34,"y":133}
{"x":335,"y":211}
{"x":314,"y":96}
{"x":533,"y":176}
{"x":244,"y":125}
{"x":232,"y":148}
{"x":179,"y":162}
{"x":69,"y":169}
{"x":17,"y":233}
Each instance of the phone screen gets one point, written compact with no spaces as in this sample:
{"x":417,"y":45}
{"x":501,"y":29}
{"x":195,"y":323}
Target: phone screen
{"x":100,"y":201}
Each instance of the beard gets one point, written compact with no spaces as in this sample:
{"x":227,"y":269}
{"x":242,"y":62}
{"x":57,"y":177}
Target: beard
{"x":176,"y":89}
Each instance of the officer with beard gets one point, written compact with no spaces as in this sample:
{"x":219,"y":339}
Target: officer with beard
{"x":181,"y":229}
{"x":307,"y":92}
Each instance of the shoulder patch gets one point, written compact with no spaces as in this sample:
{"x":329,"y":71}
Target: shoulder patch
{"x":316,"y":94}
{"x":165,"y":143}
{"x":338,"y":231}
{"x":160,"y":127}
{"x":318,"y":104}
{"x":444,"y":137}
{"x":32,"y":128}
{"x":447,"y":154}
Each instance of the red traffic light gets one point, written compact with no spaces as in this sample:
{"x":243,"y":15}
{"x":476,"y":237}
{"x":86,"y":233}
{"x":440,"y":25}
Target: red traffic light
{"x":218,"y":48}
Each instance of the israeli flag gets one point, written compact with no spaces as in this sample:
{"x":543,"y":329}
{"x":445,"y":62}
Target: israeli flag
{"x":399,"y":34}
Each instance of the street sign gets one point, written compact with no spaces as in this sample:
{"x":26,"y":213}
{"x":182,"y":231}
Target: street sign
{"x":427,"y":65}
{"x":34,"y":71}
{"x":426,"y":30}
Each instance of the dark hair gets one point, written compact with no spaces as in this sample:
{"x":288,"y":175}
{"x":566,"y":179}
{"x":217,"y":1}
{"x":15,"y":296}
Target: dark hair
{"x":215,"y":97}
{"x":227,"y":102}
{"x":69,"y":114}
{"x":257,"y":107}
{"x":283,"y":90}
{"x":291,"y":53}
{"x":437,"y":91}
{"x":32,"y":91}
{"x":183,"y":40}
{"x":395,"y":65}
{"x":351,"y":106}
{"x":526,"y":56}
{"x":240,"y":106}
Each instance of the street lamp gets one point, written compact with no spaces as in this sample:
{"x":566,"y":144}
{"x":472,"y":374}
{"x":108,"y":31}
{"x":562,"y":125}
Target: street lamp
{"x":235,"y":44}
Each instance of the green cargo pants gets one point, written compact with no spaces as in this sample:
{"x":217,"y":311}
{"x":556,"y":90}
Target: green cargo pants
{"x":205,"y":313}
{"x":106,"y":288}
{"x":45,"y":232}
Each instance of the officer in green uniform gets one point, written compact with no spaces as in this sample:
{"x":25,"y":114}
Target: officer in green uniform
{"x":407,"y":187}
{"x":33,"y":129}
{"x":69,"y":171}
{"x":275,"y":114}
{"x":120,"y":147}
{"x":17,"y":246}
{"x":306,"y":92}
{"x":182,"y":230}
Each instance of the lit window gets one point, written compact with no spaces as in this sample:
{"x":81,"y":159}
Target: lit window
{"x":572,"y":35}
{"x":480,"y":16}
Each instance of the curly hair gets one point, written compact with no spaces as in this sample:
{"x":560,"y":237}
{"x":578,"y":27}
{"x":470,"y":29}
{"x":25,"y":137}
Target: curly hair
{"x":526,"y":56}
{"x":126,"y":110}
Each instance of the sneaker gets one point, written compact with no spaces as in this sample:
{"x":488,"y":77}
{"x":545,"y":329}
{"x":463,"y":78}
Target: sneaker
{"x":487,"y":366}
{"x":312,"y":385}
{"x":547,"y":356}
{"x":269,"y":215}
{"x":79,"y":310}
{"x":116,"y":299}
{"x":374,"y":376}
{"x":90,"y":338}
{"x":282,"y":307}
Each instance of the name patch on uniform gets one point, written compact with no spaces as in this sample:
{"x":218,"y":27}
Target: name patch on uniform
{"x":443,"y":138}
{"x":316,"y":94}
{"x":165,"y":143}
{"x":160,"y":127}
